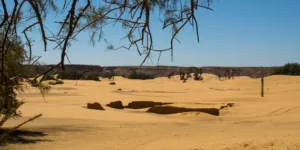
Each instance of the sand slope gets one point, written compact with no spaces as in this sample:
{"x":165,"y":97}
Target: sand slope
{"x":253,"y":122}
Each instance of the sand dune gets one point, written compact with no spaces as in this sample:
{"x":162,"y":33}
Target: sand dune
{"x":252,"y":122}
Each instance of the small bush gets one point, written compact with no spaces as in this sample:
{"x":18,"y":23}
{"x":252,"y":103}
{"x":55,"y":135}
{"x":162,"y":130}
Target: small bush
{"x":49,"y":77}
{"x":59,"y":82}
{"x":107,"y":74}
{"x":91,"y":76}
{"x":74,"y":75}
{"x":142,"y":76}
{"x":69,"y":75}
{"x":197,"y":77}
{"x":182,"y":75}
{"x":56,"y":82}
{"x":288,"y":69}
{"x":52,"y":83}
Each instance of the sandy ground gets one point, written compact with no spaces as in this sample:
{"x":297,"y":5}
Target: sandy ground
{"x":268,"y":123}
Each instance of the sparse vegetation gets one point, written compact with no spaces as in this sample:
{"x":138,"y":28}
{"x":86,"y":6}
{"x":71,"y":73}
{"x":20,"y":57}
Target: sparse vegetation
{"x":59,"y":82}
{"x":139,"y":75}
{"x":171,"y":74}
{"x":75,"y":75}
{"x":107,"y":74}
{"x":197,"y":74}
{"x":91,"y":76}
{"x":49,"y":77}
{"x":292,"y":69}
{"x":68,"y":74}
{"x":182,"y":75}
{"x":52,"y":83}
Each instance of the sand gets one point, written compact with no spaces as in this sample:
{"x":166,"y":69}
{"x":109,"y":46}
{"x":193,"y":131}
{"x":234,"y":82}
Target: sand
{"x":269,"y":123}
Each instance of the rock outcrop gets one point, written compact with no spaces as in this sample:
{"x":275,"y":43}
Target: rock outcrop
{"x":95,"y":106}
{"x":116,"y":105}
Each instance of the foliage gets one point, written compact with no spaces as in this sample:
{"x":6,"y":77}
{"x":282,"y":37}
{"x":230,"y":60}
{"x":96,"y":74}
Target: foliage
{"x":171,"y":74}
{"x":49,"y":77}
{"x":197,"y":76}
{"x":14,"y":58}
{"x":139,"y":75}
{"x":69,"y":74}
{"x":182,"y":75}
{"x":12,"y":65}
{"x":52,"y":83}
{"x":59,"y":82}
{"x":288,"y":69}
{"x":91,"y":76}
{"x":56,"y":82}
{"x":107,"y":74}
{"x":72,"y":74}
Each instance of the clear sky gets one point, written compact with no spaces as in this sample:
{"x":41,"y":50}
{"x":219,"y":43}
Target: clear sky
{"x":236,"y":33}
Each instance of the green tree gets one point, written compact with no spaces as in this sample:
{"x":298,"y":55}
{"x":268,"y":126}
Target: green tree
{"x":288,"y":69}
{"x":13,"y":67}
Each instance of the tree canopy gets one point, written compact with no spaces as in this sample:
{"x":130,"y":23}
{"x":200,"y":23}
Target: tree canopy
{"x":25,"y":16}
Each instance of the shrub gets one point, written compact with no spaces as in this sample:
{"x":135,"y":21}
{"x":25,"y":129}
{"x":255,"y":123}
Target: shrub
{"x":107,"y":74}
{"x":52,"y":83}
{"x":69,"y":74}
{"x":197,"y":77}
{"x":56,"y":82}
{"x":59,"y":82}
{"x":182,"y":75}
{"x":142,"y":76}
{"x":12,"y":60}
{"x":288,"y":69}
{"x":49,"y":77}
{"x":91,"y":76}
{"x":74,"y":75}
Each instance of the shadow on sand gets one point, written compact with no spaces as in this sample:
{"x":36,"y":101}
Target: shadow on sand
{"x":23,"y":137}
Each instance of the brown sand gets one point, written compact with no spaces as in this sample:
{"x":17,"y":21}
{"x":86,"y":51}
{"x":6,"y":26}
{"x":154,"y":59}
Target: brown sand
{"x":272,"y":122}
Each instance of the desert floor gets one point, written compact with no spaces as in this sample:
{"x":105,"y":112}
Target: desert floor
{"x":272,"y":122}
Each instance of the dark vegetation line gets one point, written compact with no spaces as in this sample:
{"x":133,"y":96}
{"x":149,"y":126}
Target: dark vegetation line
{"x":91,"y":72}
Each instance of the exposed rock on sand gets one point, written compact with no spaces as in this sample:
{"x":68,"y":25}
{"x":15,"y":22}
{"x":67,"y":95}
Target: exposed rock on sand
{"x":174,"y":110}
{"x":112,"y":83}
{"x":228,"y":105}
{"x":144,"y":104}
{"x":116,"y":105}
{"x":94,"y":106}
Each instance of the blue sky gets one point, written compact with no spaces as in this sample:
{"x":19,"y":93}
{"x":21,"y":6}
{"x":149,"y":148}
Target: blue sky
{"x":236,"y":33}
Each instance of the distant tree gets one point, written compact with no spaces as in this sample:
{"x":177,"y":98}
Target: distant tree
{"x":219,"y":76}
{"x":171,"y":74}
{"x":139,"y":75}
{"x":10,"y":81}
{"x":198,"y":74}
{"x":182,"y":75}
{"x":288,"y":69}
{"x":188,"y":75}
